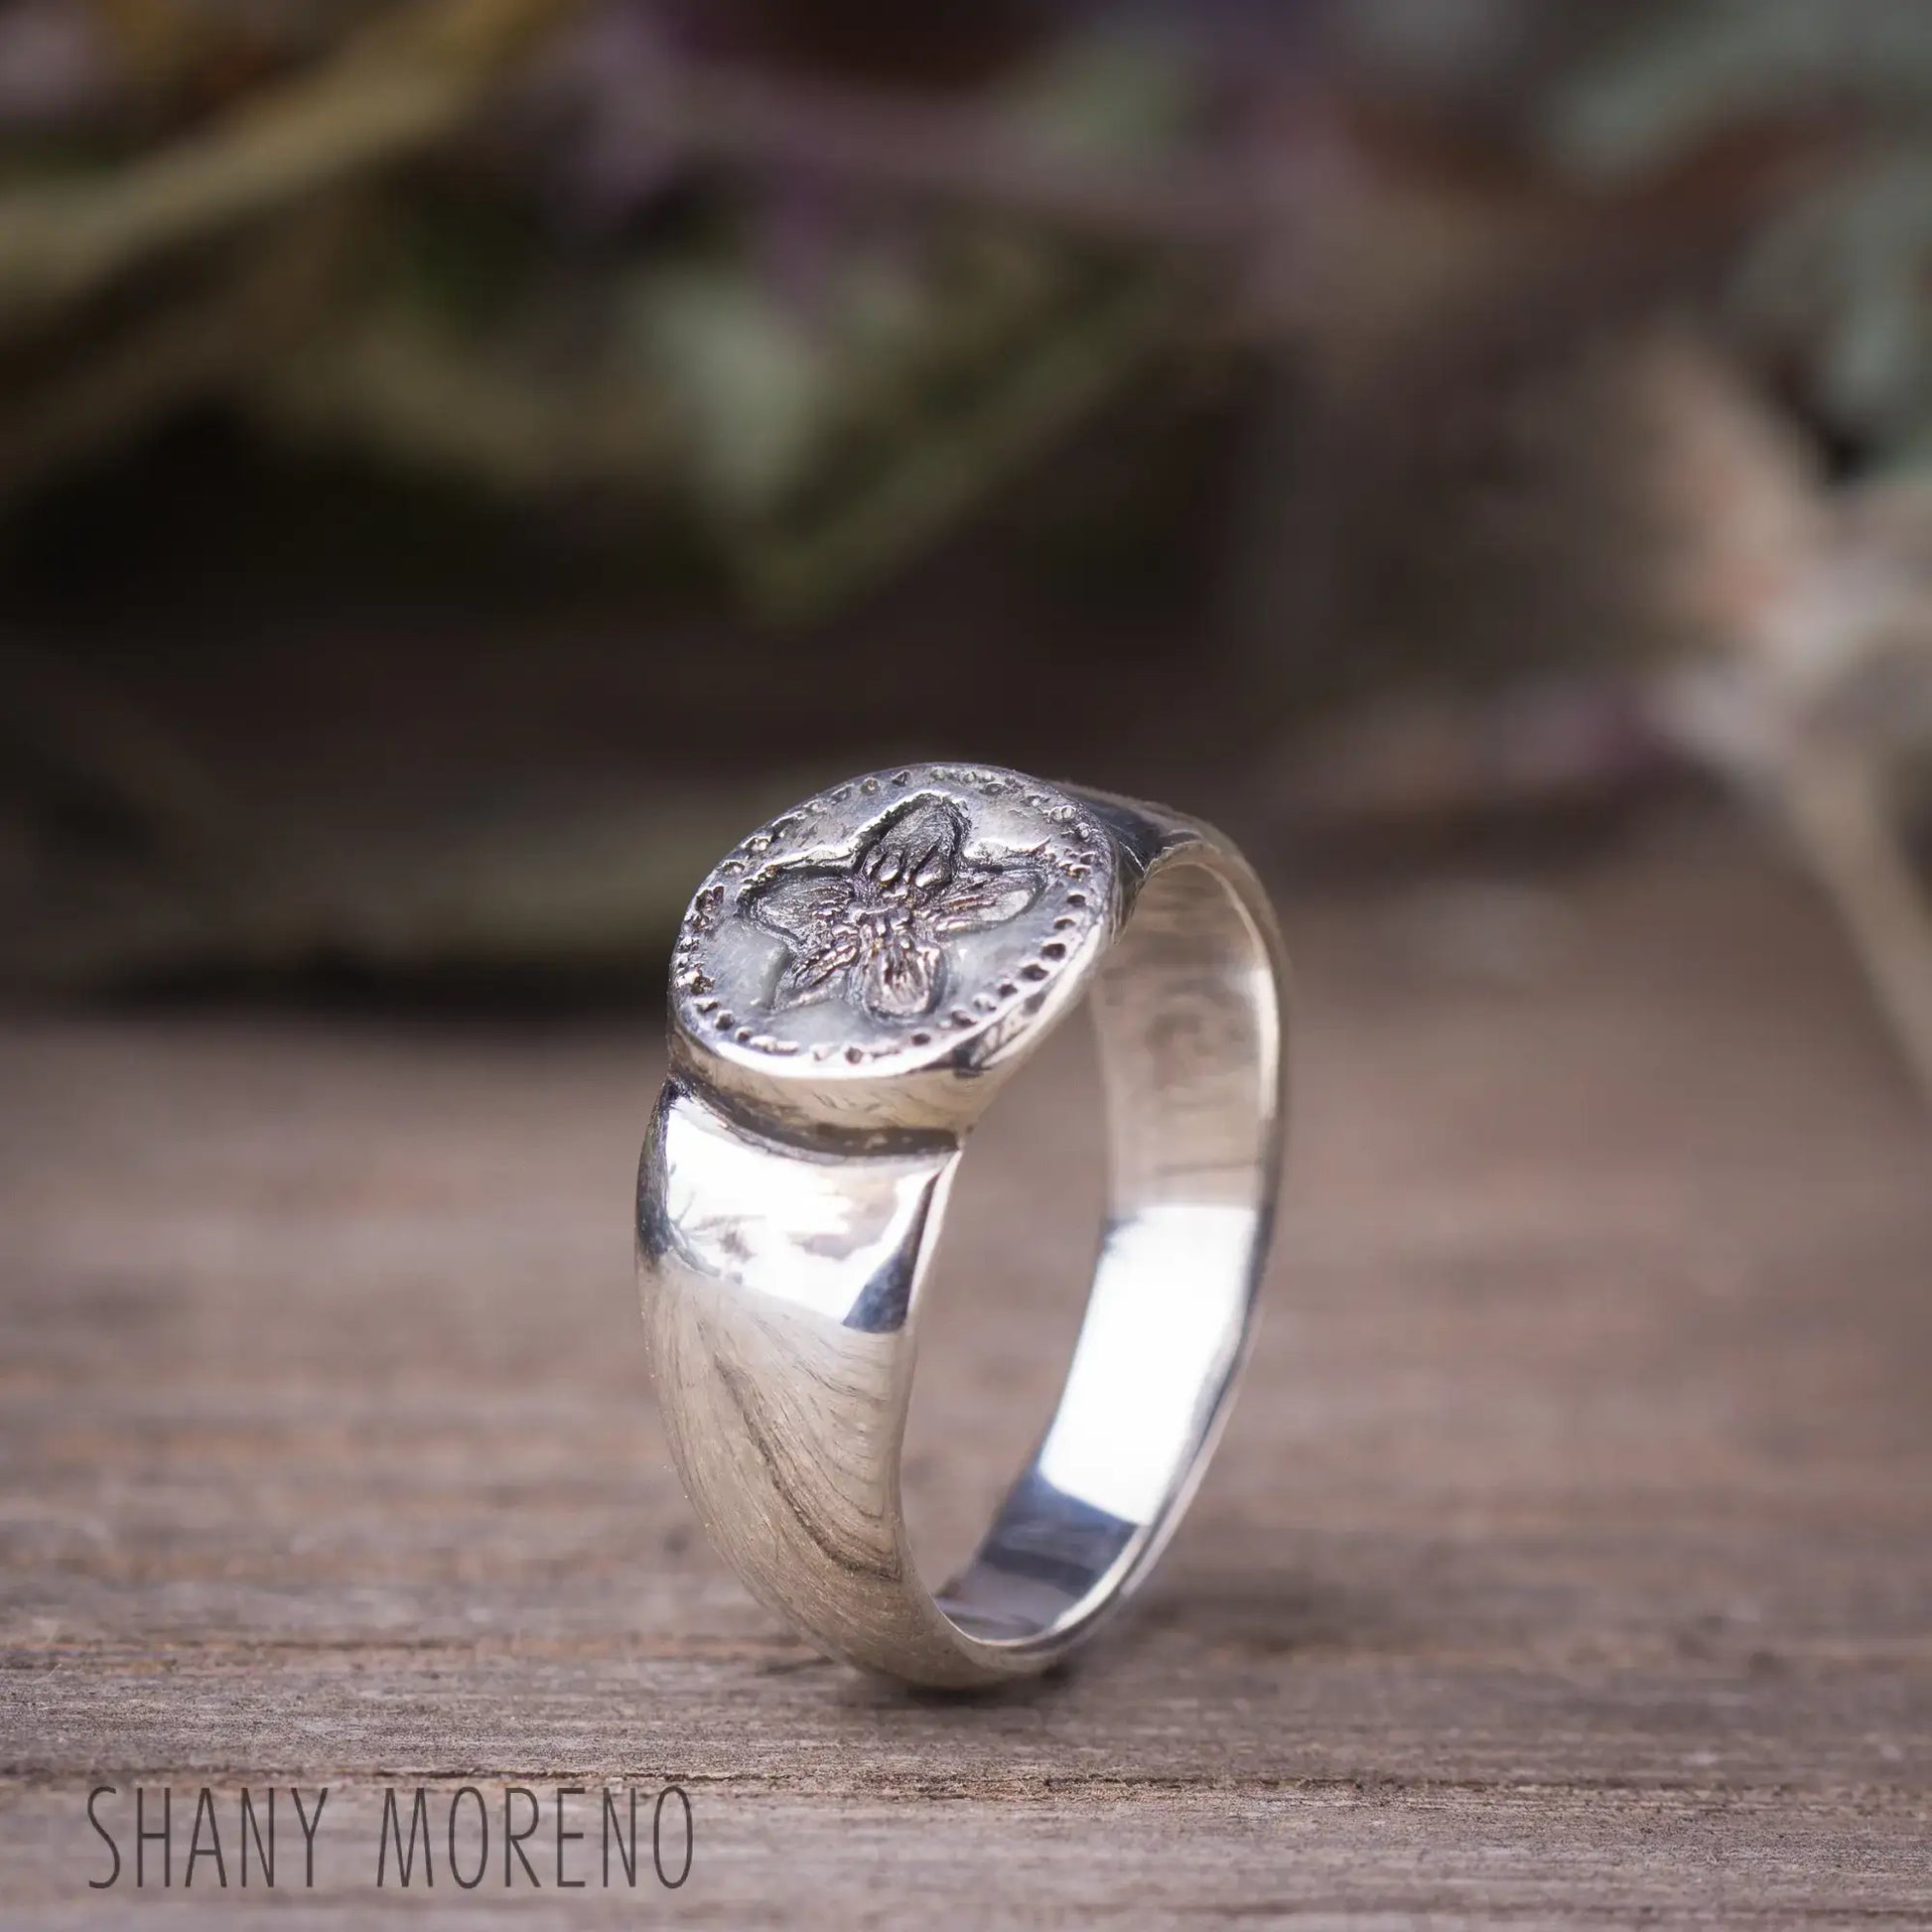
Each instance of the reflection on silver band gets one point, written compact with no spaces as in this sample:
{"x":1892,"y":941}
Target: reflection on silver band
{"x":852,"y":986}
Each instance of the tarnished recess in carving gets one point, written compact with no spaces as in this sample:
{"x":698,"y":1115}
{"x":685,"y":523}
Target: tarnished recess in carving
{"x":873,"y":926}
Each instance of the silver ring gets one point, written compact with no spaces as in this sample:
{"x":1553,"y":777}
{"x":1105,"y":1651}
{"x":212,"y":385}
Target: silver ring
{"x":852,"y":986}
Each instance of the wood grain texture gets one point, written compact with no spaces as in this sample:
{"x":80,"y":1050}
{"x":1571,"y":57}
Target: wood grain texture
{"x":1569,"y":1559}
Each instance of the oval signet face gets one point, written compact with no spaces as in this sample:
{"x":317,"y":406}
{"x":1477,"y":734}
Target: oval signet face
{"x":889,"y":918}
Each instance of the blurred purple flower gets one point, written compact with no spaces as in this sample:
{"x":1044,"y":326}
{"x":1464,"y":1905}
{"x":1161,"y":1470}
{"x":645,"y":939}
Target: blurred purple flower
{"x":52,"y":66}
{"x":602,"y":163}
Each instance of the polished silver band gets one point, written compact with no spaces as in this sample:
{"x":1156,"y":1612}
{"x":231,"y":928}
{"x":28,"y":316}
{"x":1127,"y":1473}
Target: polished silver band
{"x":852,"y":987}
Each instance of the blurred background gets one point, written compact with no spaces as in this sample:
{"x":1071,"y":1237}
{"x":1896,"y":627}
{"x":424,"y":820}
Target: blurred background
{"x":463,"y":462}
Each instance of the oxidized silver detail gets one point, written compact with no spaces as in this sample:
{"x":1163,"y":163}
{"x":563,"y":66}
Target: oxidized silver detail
{"x":878,"y":924}
{"x":873,"y":922}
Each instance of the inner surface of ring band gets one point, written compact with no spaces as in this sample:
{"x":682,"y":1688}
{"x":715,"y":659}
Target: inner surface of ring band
{"x":1185,"y":1009}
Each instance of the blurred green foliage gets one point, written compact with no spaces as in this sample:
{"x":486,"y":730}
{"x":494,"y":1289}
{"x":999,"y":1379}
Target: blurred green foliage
{"x":1835,"y":291}
{"x":1464,"y":343}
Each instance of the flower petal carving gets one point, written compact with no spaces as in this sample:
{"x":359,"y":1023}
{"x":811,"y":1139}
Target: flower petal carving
{"x":914,"y":853}
{"x":899,"y":976}
{"x":978,"y":899}
{"x":869,"y":923}
{"x":815,"y":972}
{"x":803,"y":907}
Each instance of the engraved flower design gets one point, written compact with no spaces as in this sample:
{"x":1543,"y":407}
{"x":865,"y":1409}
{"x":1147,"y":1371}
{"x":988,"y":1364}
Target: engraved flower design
{"x":873,"y":926}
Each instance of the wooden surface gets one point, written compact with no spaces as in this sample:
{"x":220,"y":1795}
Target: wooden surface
{"x":1570,"y":1557}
